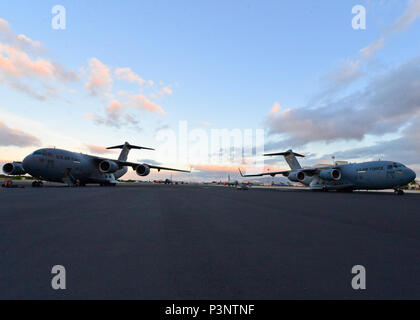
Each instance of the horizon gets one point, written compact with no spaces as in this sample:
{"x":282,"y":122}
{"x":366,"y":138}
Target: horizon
{"x":291,"y":75}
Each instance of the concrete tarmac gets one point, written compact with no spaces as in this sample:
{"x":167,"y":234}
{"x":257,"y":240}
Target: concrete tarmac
{"x":204,"y":242}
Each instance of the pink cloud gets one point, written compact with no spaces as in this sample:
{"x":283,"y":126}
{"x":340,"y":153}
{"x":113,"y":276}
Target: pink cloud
{"x":409,"y":16}
{"x":166,"y":91}
{"x":275,"y":109}
{"x":128,"y":75}
{"x":29,"y":41}
{"x":100,"y":77}
{"x":16,"y":137}
{"x":114,"y":109}
{"x":20,"y":61}
{"x":141,"y":102}
{"x":14,"y":62}
{"x":98,"y":149}
{"x":4,"y":26}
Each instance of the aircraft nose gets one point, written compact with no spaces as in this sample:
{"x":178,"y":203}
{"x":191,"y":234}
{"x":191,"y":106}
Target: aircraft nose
{"x":26,"y":163}
{"x":412,"y":175}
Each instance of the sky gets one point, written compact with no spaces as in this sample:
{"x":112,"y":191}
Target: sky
{"x":143,"y":71}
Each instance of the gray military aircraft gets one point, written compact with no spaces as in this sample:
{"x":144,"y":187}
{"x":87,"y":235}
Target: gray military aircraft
{"x":73,"y":168}
{"x":372,"y":175}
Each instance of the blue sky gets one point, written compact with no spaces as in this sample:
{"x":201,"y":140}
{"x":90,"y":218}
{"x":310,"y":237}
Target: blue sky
{"x":223,"y":63}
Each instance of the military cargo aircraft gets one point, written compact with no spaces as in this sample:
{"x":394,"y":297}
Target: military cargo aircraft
{"x":229,"y":182}
{"x":77,"y":169}
{"x":372,"y":175}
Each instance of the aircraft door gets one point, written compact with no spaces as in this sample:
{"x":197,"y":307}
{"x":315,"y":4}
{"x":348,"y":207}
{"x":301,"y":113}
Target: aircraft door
{"x":77,"y":171}
{"x":50,"y":164}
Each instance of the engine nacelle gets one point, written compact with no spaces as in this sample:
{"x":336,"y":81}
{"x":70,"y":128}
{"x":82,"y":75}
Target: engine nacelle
{"x":13,"y":169}
{"x":330,"y":174}
{"x":297,"y":176}
{"x":108,"y":166}
{"x":143,"y":170}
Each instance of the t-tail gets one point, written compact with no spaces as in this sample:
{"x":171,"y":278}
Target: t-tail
{"x":290,"y":158}
{"x":126,"y":147}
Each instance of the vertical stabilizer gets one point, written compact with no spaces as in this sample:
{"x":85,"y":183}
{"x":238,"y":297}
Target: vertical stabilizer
{"x":290,"y":158}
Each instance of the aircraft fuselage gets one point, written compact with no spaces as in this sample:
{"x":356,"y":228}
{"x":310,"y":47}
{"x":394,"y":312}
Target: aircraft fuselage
{"x":53,"y":164}
{"x":375,"y":175}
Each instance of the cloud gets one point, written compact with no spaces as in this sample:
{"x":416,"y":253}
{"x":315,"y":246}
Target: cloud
{"x":128,"y":75}
{"x":23,"y":69}
{"x":404,"y":149}
{"x":15,"y":137}
{"x":4,"y":26}
{"x":165,"y":91}
{"x":409,"y":16}
{"x":19,"y":41}
{"x":25,"y":39}
{"x":115,"y":116}
{"x":139,"y":101}
{"x":214,"y":172}
{"x":98,"y":149}
{"x":162,"y":127}
{"x":275,"y":109}
{"x":99,"y":79}
{"x":221,"y":172}
{"x":150,"y":161}
{"x":114,"y":110}
{"x":385,"y":105}
{"x":370,"y":50}
{"x":351,"y":70}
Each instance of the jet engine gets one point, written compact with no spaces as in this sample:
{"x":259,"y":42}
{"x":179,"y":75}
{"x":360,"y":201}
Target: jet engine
{"x":107,"y":166}
{"x":330,"y":174}
{"x":297,"y":176}
{"x":143,"y":170}
{"x":13,"y":168}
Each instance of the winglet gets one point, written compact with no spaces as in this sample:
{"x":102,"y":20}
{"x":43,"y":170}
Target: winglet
{"x":240,"y":172}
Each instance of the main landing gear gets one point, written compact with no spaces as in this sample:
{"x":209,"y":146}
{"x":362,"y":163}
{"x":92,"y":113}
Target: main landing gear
{"x":37,"y":184}
{"x":398,"y":192}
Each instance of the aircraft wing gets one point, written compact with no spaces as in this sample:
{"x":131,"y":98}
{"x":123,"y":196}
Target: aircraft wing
{"x":284,"y":173}
{"x":264,"y":174}
{"x":151,"y":166}
{"x":134,"y":165}
{"x":158,"y":168}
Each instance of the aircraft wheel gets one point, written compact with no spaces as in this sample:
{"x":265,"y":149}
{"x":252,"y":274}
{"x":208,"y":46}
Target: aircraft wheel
{"x":37,"y":184}
{"x":399,"y":192}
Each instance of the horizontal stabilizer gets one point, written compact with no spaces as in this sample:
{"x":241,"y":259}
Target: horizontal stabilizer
{"x":129,"y":146}
{"x":289,"y":152}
